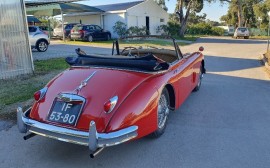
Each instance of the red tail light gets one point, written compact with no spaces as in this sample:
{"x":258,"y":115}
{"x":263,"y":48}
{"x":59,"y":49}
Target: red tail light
{"x":81,"y":31}
{"x":37,"y":95}
{"x":201,"y":48}
{"x":109,"y":105}
{"x":40,"y":94}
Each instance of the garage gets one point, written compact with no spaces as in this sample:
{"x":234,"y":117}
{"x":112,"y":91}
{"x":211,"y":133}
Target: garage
{"x":139,"y":13}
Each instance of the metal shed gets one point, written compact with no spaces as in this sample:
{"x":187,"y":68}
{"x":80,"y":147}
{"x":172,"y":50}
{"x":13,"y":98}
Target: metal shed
{"x":15,"y":53}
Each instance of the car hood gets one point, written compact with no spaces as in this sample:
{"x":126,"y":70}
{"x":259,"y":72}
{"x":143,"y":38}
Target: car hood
{"x":98,"y":87}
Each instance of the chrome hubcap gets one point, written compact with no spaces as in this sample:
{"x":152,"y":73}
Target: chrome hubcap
{"x":163,"y":111}
{"x":200,"y":78}
{"x":42,"y":46}
{"x":90,"y":38}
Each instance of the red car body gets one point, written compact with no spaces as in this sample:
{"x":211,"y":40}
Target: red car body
{"x":138,"y":96}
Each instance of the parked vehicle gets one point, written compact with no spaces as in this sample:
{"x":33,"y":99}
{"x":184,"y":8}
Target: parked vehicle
{"x":241,"y":32}
{"x":89,"y":33}
{"x":101,"y":101}
{"x":58,"y":31}
{"x":229,"y":30}
{"x":38,"y":39}
{"x":46,"y":29}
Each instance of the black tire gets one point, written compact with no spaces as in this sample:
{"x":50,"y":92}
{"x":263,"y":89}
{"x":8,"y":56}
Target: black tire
{"x":90,"y":38}
{"x":42,"y":45}
{"x":246,"y":37}
{"x":162,"y":113}
{"x":200,"y":77}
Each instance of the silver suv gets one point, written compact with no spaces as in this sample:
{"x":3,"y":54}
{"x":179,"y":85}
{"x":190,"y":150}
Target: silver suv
{"x":38,"y":39}
{"x":241,"y":32}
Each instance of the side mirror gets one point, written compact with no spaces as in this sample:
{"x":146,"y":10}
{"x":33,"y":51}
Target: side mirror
{"x":201,"y":48}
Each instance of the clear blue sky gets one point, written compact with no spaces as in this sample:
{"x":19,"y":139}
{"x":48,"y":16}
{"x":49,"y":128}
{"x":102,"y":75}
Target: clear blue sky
{"x":214,"y":10}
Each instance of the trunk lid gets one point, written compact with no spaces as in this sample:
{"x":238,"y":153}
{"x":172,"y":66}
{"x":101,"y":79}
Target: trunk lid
{"x":100,"y":86}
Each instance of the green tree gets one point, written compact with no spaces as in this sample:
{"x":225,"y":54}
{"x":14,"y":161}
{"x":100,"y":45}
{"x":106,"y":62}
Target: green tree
{"x":189,"y":6}
{"x":260,"y":10}
{"x":162,"y":4}
{"x":240,"y":13}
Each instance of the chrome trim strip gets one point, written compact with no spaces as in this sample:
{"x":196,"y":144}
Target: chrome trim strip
{"x":113,"y":101}
{"x":67,"y":97}
{"x":84,"y":82}
{"x":92,"y":138}
{"x":43,"y":92}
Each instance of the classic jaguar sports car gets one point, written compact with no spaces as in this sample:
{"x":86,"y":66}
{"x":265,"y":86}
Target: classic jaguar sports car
{"x":105,"y":100}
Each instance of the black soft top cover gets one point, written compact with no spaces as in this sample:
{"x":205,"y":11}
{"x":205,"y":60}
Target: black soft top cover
{"x":142,"y":63}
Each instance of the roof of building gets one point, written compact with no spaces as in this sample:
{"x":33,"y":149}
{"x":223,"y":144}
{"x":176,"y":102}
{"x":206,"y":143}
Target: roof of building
{"x":33,"y":19}
{"x":118,"y":6}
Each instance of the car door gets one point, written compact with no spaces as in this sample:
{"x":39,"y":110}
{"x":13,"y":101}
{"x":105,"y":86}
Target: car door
{"x":91,"y":30}
{"x":99,"y":32}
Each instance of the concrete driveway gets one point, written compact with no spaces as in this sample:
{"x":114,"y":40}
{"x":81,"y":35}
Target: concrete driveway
{"x":58,"y":49}
{"x":225,"y":124}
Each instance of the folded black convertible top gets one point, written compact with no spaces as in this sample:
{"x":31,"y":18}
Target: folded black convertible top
{"x":144,"y":63}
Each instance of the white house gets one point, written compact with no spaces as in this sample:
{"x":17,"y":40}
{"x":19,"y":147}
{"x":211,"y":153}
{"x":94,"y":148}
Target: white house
{"x":140,"y":13}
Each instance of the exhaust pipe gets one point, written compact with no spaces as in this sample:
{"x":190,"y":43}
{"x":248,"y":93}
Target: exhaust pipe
{"x":26,"y":137}
{"x":94,"y":154}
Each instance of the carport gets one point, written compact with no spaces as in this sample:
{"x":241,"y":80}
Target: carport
{"x":62,"y":9}
{"x":15,"y":51}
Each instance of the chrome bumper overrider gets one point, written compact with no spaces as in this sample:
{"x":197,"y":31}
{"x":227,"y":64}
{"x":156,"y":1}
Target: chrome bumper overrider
{"x":92,"y":138}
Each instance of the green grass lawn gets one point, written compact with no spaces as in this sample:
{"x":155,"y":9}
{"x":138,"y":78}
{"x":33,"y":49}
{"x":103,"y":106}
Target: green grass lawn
{"x":22,"y":88}
{"x":259,"y":37}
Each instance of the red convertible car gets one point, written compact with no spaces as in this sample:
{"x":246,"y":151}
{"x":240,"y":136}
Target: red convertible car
{"x":105,"y":100}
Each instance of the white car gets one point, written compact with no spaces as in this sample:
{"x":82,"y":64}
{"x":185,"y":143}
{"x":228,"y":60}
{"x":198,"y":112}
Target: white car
{"x":241,"y":32}
{"x":38,"y":39}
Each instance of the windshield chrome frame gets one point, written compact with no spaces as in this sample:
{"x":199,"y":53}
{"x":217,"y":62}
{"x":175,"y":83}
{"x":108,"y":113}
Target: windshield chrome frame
{"x":176,"y":47}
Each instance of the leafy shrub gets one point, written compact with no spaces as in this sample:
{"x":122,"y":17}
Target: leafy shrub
{"x":137,"y":31}
{"x":217,"y":31}
{"x":163,"y":30}
{"x":120,"y":29}
{"x":171,"y":29}
{"x":204,"y":29}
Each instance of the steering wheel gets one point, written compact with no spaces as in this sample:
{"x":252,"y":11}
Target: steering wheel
{"x":129,"y":52}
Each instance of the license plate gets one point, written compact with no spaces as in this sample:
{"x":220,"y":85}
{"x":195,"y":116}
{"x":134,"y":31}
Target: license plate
{"x":64,"y":112}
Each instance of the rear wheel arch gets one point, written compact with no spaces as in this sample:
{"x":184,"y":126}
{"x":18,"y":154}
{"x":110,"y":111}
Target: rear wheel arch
{"x":203,"y":67}
{"x":42,"y":39}
{"x":171,"y":92}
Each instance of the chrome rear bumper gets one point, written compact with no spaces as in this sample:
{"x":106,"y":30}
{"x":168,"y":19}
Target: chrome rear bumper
{"x":92,"y":138}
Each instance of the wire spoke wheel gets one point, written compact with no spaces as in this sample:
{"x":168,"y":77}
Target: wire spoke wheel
{"x":162,"y":113}
{"x":200,"y":77}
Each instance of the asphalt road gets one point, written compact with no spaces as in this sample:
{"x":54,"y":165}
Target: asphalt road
{"x":58,"y":50}
{"x":224,"y":125}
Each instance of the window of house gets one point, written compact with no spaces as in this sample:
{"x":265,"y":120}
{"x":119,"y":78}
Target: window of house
{"x":161,"y":20}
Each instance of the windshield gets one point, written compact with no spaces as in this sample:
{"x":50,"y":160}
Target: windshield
{"x":77,"y":28}
{"x":32,"y":29}
{"x":242,"y":29}
{"x":147,"y":42}
{"x":143,"y":45}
